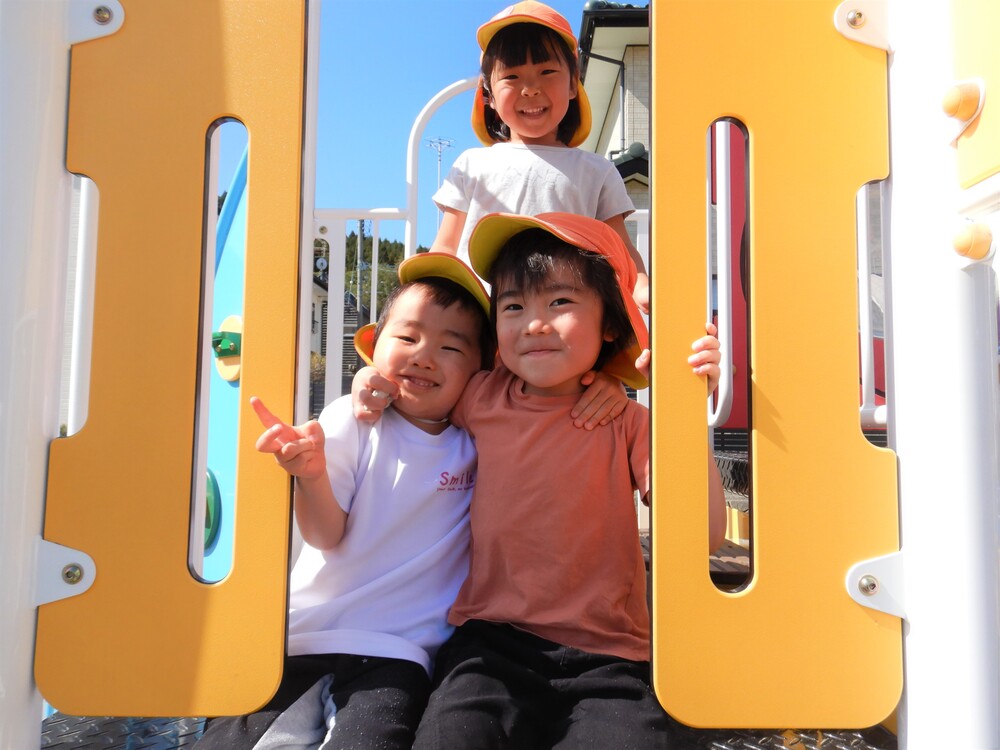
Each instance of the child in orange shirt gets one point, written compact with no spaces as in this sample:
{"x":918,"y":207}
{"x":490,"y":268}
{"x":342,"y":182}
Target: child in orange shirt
{"x":551,"y":647}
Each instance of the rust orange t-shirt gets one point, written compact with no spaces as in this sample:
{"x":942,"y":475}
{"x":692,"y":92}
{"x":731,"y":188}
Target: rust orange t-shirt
{"x":555,"y":547}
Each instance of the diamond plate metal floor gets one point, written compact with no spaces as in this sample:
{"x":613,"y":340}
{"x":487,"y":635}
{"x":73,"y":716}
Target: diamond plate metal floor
{"x":875,"y":738}
{"x":60,"y":732}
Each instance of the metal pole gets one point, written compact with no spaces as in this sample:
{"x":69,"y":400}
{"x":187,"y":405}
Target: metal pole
{"x":412,"y":156}
{"x":357,"y":263}
{"x":439,"y":145}
{"x":35,"y":190}
{"x":943,"y":414}
{"x":309,"y":222}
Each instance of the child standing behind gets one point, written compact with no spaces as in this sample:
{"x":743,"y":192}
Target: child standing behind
{"x":552,"y":643}
{"x":383,"y":511}
{"x":531,"y":112}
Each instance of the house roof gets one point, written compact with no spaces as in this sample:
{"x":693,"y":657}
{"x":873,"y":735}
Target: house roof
{"x":606,"y":30}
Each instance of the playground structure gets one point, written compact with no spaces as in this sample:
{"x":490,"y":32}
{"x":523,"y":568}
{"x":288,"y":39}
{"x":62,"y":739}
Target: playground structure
{"x":875,"y":570}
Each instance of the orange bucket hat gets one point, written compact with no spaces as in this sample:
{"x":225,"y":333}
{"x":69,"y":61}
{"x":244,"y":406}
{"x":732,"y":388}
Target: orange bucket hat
{"x":528,"y":11}
{"x":493,"y":230}
{"x":420,"y":266}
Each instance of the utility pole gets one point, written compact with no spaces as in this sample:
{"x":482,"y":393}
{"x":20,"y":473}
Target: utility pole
{"x":439,"y":144}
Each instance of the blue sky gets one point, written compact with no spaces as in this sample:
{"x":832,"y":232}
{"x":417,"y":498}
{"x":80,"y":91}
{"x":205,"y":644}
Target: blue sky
{"x":380,"y":63}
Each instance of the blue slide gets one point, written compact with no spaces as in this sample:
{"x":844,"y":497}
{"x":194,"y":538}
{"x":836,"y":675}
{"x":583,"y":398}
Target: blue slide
{"x":224,"y":395}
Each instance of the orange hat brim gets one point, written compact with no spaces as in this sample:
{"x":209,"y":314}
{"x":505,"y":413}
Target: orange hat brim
{"x":364,"y":342}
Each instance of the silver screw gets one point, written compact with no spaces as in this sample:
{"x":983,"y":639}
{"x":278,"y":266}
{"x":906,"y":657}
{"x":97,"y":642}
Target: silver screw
{"x":72,"y":574}
{"x":856,"y":19}
{"x":103,"y":15}
{"x":868,"y":585}
{"x":322,"y":230}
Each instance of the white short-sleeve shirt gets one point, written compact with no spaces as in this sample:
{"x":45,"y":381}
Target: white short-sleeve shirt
{"x":530,"y":180}
{"x":385,"y":590}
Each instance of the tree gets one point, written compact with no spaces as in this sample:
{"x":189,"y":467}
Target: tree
{"x":390,"y":252}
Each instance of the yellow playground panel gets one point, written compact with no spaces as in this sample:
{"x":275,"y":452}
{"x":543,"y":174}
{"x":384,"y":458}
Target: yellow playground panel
{"x":148,"y":639}
{"x":814,"y":104}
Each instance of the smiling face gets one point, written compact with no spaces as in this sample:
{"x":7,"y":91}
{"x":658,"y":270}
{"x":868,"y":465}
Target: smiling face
{"x":532,"y":98}
{"x":552,"y":333}
{"x":430,"y":351}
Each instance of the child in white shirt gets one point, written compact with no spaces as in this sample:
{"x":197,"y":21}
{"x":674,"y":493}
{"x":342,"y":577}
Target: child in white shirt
{"x":531,"y":112}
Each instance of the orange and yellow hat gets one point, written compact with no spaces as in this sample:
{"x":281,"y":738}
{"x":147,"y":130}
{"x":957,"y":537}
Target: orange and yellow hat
{"x":493,"y":230}
{"x":527,"y":11}
{"x":420,"y":266}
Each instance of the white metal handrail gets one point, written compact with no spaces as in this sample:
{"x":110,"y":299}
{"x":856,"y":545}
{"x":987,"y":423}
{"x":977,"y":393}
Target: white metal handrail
{"x":722,"y":252}
{"x":872,"y":415}
{"x":330,"y":224}
{"x":413,"y":153}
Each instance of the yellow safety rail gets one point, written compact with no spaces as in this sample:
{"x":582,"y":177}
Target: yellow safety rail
{"x":148,"y":639}
{"x":815,"y":106}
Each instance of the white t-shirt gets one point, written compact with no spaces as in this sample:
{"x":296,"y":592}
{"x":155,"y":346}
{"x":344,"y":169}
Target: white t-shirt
{"x":530,"y":180}
{"x":385,"y":590}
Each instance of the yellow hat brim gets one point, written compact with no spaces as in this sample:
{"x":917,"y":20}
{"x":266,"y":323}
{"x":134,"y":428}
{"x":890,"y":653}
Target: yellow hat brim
{"x":446,"y":266}
{"x":420,"y":266}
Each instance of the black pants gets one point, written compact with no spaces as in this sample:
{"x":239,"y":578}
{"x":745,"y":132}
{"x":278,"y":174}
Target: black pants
{"x":378,"y":703}
{"x":498,"y":687}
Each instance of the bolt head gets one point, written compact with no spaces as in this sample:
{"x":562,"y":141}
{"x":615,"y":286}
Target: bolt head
{"x":72,"y":573}
{"x":856,"y":19}
{"x":868,"y":585}
{"x":103,"y":15}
